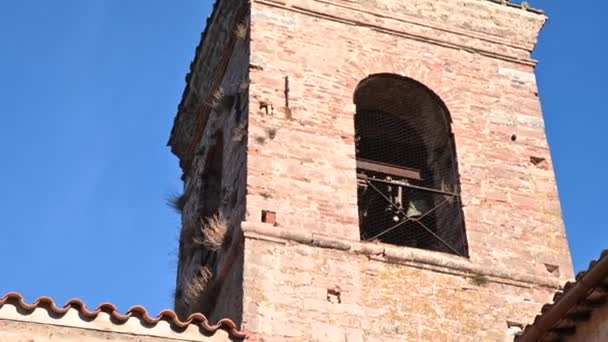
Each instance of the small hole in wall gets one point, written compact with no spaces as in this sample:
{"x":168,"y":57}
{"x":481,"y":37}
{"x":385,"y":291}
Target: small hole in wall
{"x":513,"y":137}
{"x":539,"y":162}
{"x":266,"y":108}
{"x":553,"y":269}
{"x":269,"y":217}
{"x":334,"y":296}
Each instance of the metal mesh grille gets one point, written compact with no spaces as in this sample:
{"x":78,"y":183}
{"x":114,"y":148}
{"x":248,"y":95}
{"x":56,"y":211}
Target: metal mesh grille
{"x":408,"y":190}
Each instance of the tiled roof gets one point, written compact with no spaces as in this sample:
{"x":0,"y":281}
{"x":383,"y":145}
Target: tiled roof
{"x":197,"y":320}
{"x":572,"y":305}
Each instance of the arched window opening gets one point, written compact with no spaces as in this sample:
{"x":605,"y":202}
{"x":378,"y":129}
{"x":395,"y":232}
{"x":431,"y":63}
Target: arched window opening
{"x":211,"y":186}
{"x":408,"y":186}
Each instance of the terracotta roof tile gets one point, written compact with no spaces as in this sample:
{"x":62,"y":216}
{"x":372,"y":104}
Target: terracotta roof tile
{"x":136,"y":311}
{"x":587,"y":293}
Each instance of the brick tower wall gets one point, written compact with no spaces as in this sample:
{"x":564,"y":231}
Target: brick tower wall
{"x":476,"y":56}
{"x":307,"y":277}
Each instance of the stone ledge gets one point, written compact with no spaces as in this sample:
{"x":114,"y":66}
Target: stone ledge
{"x":434,"y":261}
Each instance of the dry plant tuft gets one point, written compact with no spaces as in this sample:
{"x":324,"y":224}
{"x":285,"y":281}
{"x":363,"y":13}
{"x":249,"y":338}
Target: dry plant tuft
{"x":480,"y":280}
{"x":214,"y":233}
{"x":217,"y":98}
{"x":177,"y":202}
{"x":194,"y":288}
{"x":241,"y":30}
{"x":240,"y":131}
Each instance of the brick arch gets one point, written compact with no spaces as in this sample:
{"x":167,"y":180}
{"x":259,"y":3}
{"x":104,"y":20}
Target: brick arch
{"x":364,"y":67}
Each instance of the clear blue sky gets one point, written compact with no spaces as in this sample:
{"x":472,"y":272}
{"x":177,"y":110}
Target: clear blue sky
{"x":88,"y":91}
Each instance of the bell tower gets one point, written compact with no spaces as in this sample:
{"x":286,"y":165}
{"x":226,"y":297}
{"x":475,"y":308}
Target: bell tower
{"x":367,"y":171}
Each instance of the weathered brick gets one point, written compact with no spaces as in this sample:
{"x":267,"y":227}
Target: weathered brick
{"x":475,"y":55}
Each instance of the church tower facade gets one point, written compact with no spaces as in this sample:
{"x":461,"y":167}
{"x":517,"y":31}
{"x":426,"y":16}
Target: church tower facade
{"x":367,"y":171}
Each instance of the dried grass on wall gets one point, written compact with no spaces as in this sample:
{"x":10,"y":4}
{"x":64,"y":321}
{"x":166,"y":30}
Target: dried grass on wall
{"x":194,"y":287}
{"x":214,"y":231}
